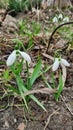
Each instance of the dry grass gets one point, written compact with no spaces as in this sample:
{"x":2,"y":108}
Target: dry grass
{"x":4,"y":3}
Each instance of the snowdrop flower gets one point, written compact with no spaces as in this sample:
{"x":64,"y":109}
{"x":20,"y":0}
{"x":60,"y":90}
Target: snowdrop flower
{"x":60,"y":16}
{"x":25,"y":56}
{"x":12,"y":57}
{"x":55,"y":20}
{"x":58,"y":62}
{"x":66,"y":19}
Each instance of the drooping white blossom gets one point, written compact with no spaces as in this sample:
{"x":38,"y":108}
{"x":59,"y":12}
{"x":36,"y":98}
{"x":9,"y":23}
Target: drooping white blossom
{"x":12,"y":57}
{"x":60,"y":16}
{"x":55,"y":65}
{"x":58,"y":62}
{"x":55,"y":20}
{"x":25,"y":56}
{"x":65,"y":62}
{"x":66,"y":19}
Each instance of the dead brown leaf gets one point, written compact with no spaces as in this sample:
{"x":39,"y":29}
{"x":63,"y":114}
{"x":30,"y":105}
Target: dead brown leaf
{"x":64,"y":75}
{"x":21,"y":126}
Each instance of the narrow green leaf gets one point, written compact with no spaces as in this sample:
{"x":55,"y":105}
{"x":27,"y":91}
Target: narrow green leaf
{"x":35,"y":73}
{"x":37,"y":101}
{"x":13,"y":89}
{"x":23,"y":89}
{"x":60,"y":88}
{"x":6,"y":75}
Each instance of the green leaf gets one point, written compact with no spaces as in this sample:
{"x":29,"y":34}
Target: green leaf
{"x":6,"y":75}
{"x":19,"y":67}
{"x":13,"y":89}
{"x":22,"y":89}
{"x":60,"y":88}
{"x":38,"y":102}
{"x":35,"y":73}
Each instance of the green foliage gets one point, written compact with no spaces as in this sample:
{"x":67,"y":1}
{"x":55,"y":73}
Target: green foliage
{"x":4,"y":3}
{"x":34,"y":30}
{"x":60,"y":88}
{"x":22,"y":26}
{"x":6,"y":75}
{"x":36,"y":27}
{"x":24,"y":87}
{"x":17,"y":5}
{"x":36,"y":72}
{"x":20,"y":5}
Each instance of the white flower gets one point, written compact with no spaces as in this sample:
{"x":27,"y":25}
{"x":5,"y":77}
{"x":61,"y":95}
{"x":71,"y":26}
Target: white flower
{"x":57,"y":63}
{"x":65,"y":62}
{"x":66,"y":19}
{"x":60,"y":16}
{"x":25,"y":56}
{"x":55,"y":20}
{"x":12,"y":57}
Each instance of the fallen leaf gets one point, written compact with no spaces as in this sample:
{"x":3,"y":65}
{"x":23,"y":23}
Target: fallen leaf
{"x":64,"y":75}
{"x":21,"y":126}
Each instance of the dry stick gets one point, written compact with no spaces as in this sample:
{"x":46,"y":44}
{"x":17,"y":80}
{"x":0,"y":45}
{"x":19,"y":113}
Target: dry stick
{"x":42,"y":90}
{"x":51,"y":37}
{"x":48,"y":120}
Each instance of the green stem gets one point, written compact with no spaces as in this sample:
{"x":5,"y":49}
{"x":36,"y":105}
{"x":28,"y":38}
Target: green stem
{"x":53,"y":80}
{"x":28,"y":76}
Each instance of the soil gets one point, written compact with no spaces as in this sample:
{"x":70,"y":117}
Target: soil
{"x":59,"y":115}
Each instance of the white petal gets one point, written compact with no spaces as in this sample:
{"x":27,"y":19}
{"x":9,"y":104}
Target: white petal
{"x":55,"y":65}
{"x":11,"y":59}
{"x":66,"y":19}
{"x":60,"y":16}
{"x":65,"y":62}
{"x":55,"y":20}
{"x":25,"y":56}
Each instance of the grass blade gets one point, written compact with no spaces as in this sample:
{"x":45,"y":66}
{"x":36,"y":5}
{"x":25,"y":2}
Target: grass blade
{"x":23,"y":89}
{"x":36,"y":72}
{"x":60,"y":88}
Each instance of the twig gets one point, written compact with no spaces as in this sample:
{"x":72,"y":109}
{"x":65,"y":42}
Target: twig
{"x":51,"y":37}
{"x":48,"y":120}
{"x":48,"y":56}
{"x":42,"y":90}
{"x":3,"y":109}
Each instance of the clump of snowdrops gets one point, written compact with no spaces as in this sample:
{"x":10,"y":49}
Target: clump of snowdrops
{"x":60,"y":18}
{"x":15,"y":62}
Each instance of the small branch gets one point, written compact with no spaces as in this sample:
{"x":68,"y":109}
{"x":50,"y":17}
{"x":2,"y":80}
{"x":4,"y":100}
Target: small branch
{"x":51,"y":37}
{"x":48,"y":120}
{"x":42,"y":90}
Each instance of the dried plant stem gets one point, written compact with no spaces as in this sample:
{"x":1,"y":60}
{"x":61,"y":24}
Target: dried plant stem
{"x":42,"y":90}
{"x":48,"y":120}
